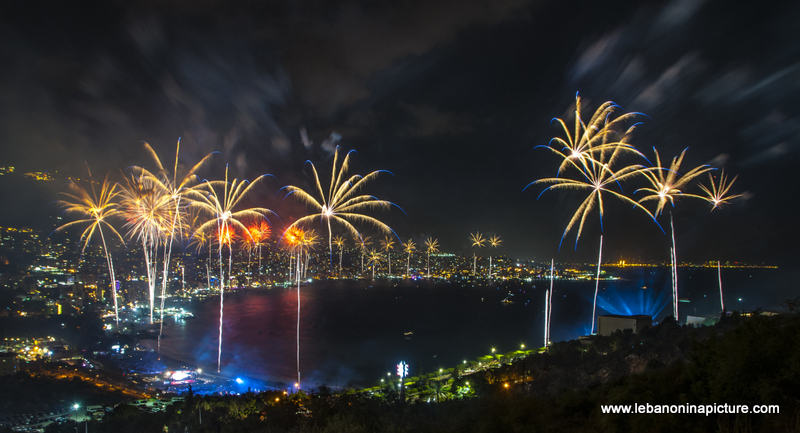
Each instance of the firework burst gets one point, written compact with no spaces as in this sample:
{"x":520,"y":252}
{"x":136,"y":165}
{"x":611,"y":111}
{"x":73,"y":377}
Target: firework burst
{"x":409,"y":247}
{"x":363,"y":243}
{"x":477,"y":240}
{"x":494,"y":242}
{"x":590,"y":138}
{"x":94,"y":209}
{"x":375,"y":258}
{"x":431,"y":246}
{"x":719,"y":193}
{"x":146,"y":209}
{"x":387,"y":245}
{"x":667,"y":183}
{"x":342,"y":204}
{"x":597,"y":177}
{"x":259,"y":235}
{"x":172,"y":192}
{"x":339,"y":242}
{"x":593,"y":156}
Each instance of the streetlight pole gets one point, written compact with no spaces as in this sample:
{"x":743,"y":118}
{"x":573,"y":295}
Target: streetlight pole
{"x":402,"y":371}
{"x":75,"y":408}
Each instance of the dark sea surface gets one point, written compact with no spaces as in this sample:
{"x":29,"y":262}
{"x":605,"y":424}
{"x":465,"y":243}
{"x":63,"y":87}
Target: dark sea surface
{"x":352,"y":333}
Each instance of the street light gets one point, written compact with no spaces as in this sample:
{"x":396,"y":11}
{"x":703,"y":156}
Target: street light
{"x":75,"y":408}
{"x":402,"y":371}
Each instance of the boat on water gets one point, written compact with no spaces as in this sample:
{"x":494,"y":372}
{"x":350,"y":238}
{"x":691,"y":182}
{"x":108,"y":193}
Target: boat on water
{"x":178,"y":313}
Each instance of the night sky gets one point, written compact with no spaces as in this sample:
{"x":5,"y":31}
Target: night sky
{"x":451,"y":97}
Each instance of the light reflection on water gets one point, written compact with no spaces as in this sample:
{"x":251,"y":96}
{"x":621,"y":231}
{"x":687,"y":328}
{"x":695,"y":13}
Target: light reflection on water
{"x":352,"y":332}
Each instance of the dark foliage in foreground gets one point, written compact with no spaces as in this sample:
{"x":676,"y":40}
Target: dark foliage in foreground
{"x":752,"y":361}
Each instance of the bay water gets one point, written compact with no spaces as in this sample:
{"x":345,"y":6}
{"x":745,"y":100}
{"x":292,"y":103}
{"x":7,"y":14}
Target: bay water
{"x":352,"y":333}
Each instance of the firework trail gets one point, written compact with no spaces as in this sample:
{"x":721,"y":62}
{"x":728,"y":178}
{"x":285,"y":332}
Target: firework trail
{"x":721,"y":299}
{"x":548,"y":306}
{"x":674,"y":260}
{"x":597,"y":283}
{"x":546,"y":318}
{"x":218,"y":200}
{"x":297,"y":239}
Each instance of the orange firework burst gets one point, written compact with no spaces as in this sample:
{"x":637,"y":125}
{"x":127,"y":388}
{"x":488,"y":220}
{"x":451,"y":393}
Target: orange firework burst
{"x":293,"y":236}
{"x":260,"y":232}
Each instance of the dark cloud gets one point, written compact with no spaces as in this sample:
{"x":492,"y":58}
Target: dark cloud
{"x":430,"y":121}
{"x":353,"y":42}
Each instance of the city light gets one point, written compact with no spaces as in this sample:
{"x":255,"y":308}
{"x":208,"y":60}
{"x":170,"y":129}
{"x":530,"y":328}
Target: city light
{"x":402,"y":369}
